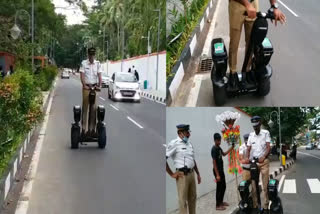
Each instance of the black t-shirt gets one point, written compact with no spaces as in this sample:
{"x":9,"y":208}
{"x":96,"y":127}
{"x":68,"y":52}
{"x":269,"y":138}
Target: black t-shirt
{"x":216,"y":154}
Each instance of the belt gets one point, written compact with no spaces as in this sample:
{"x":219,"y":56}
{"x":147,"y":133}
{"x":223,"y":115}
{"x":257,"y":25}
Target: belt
{"x":91,"y":85}
{"x":245,"y":168}
{"x":185,"y":170}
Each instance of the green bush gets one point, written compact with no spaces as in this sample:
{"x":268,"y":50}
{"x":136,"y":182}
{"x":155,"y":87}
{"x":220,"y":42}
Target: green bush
{"x":185,"y":24}
{"x":45,"y":77}
{"x":20,"y":110}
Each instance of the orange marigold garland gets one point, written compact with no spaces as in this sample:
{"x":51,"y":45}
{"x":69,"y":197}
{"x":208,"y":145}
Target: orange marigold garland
{"x":231,"y":135}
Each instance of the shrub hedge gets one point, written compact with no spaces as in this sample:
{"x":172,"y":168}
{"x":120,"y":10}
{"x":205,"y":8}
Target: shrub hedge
{"x":20,"y":108}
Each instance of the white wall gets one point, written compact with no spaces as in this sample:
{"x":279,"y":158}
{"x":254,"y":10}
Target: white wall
{"x":146,"y":67}
{"x":203,"y":125}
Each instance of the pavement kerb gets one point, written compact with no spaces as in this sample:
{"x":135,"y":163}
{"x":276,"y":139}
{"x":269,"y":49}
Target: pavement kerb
{"x":180,"y":68}
{"x":153,"y":97}
{"x":7,"y":181}
{"x":271,"y":176}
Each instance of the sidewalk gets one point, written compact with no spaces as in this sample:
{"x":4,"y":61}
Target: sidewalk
{"x":206,"y":204}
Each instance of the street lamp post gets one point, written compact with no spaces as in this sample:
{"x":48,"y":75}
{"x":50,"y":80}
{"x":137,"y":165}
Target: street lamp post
{"x":15,"y":31}
{"x":158,"y":43}
{"x":148,"y":51}
{"x":32,"y":36}
{"x":270,"y":123}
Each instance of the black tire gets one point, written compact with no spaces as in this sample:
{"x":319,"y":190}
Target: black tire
{"x":109,"y":96}
{"x":264,"y":88}
{"x":75,"y":137}
{"x":102,"y":138}
{"x":219,"y":95}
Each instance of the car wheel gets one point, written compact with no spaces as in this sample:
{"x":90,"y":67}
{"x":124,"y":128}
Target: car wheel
{"x":109,"y":96}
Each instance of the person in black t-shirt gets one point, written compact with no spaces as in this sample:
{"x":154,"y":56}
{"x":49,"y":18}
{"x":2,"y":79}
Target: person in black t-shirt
{"x":216,"y":154}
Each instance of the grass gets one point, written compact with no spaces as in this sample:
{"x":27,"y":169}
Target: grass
{"x":193,"y":15}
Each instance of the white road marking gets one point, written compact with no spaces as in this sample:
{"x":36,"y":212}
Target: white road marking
{"x":314,"y":185}
{"x":102,"y":99}
{"x":289,"y":186}
{"x":281,"y":181}
{"x":114,"y":107}
{"x":137,"y":124}
{"x":288,"y":8}
{"x":308,"y":155}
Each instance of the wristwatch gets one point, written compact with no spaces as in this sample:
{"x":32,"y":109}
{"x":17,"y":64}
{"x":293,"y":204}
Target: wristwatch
{"x":275,"y":6}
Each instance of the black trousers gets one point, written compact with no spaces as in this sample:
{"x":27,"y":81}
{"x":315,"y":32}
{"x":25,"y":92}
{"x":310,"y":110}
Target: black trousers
{"x":221,"y":187}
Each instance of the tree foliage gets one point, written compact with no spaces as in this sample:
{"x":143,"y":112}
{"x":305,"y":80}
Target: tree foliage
{"x":292,"y":121}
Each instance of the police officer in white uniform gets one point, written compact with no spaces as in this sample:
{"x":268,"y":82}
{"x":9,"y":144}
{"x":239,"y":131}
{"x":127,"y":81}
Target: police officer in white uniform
{"x":90,"y":75}
{"x":259,"y":146}
{"x":244,"y":159}
{"x":182,"y":153}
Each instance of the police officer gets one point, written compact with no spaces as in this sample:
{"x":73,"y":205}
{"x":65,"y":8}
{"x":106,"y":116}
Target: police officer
{"x":182,"y":153}
{"x":237,"y":19}
{"x":244,"y":159}
{"x":259,"y":146}
{"x":90,"y":75}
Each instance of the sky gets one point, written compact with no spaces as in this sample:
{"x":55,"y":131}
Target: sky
{"x":73,"y":13}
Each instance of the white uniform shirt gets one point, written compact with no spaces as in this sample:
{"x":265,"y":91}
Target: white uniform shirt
{"x":258,"y":143}
{"x":181,"y":153}
{"x":243,"y":150}
{"x":90,"y":71}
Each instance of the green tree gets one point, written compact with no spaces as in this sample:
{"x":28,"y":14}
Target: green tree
{"x":292,"y":120}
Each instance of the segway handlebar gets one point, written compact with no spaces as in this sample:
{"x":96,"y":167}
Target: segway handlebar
{"x":268,"y":15}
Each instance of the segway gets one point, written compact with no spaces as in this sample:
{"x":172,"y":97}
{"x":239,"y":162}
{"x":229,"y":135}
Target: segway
{"x":276,"y":204}
{"x":257,"y":80}
{"x":99,"y":134}
{"x":246,"y":202}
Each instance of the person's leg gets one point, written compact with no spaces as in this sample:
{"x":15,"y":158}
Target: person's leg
{"x":182,"y":194}
{"x":85,"y":103}
{"x":246,"y":175}
{"x":236,"y":20}
{"x":248,"y":24}
{"x":265,"y":179}
{"x":192,"y":193}
{"x":224,"y":186}
{"x":254,"y":194}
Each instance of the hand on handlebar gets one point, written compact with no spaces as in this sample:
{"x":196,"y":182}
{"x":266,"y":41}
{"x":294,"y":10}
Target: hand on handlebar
{"x":251,"y":11}
{"x":278,"y":16}
{"x":86,"y":87}
{"x":98,"y":88}
{"x":261,"y":160}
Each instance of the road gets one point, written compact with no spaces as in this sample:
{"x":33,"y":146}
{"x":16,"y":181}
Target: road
{"x":127,"y":177}
{"x":295,"y":60}
{"x":300,"y":192}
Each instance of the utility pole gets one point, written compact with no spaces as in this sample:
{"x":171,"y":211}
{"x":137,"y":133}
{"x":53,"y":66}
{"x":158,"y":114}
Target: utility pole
{"x":158,"y":10}
{"x":32,"y":35}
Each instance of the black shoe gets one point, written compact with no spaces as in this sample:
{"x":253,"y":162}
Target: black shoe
{"x":233,"y":82}
{"x":249,"y":80}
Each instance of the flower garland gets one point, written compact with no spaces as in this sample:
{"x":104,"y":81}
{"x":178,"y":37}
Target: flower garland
{"x":231,"y":135}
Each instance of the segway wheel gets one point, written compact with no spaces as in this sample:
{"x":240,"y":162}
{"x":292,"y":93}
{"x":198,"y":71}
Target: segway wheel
{"x":75,"y":137}
{"x":219,"y":95}
{"x":102,"y":138}
{"x":264,"y":88}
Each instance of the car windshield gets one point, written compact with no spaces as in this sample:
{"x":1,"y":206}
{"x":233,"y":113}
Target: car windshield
{"x":125,"y":77}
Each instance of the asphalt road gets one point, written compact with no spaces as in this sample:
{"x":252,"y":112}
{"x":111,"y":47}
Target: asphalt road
{"x":295,"y":81}
{"x":297,"y":195}
{"x":127,"y":177}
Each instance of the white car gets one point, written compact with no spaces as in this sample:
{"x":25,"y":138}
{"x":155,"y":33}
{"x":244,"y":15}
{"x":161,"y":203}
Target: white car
{"x":105,"y":81}
{"x":318,"y":147}
{"x":65,"y":74}
{"x":124,"y":86}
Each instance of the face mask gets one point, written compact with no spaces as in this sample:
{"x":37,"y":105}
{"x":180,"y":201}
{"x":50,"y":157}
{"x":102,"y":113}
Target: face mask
{"x":185,"y":139}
